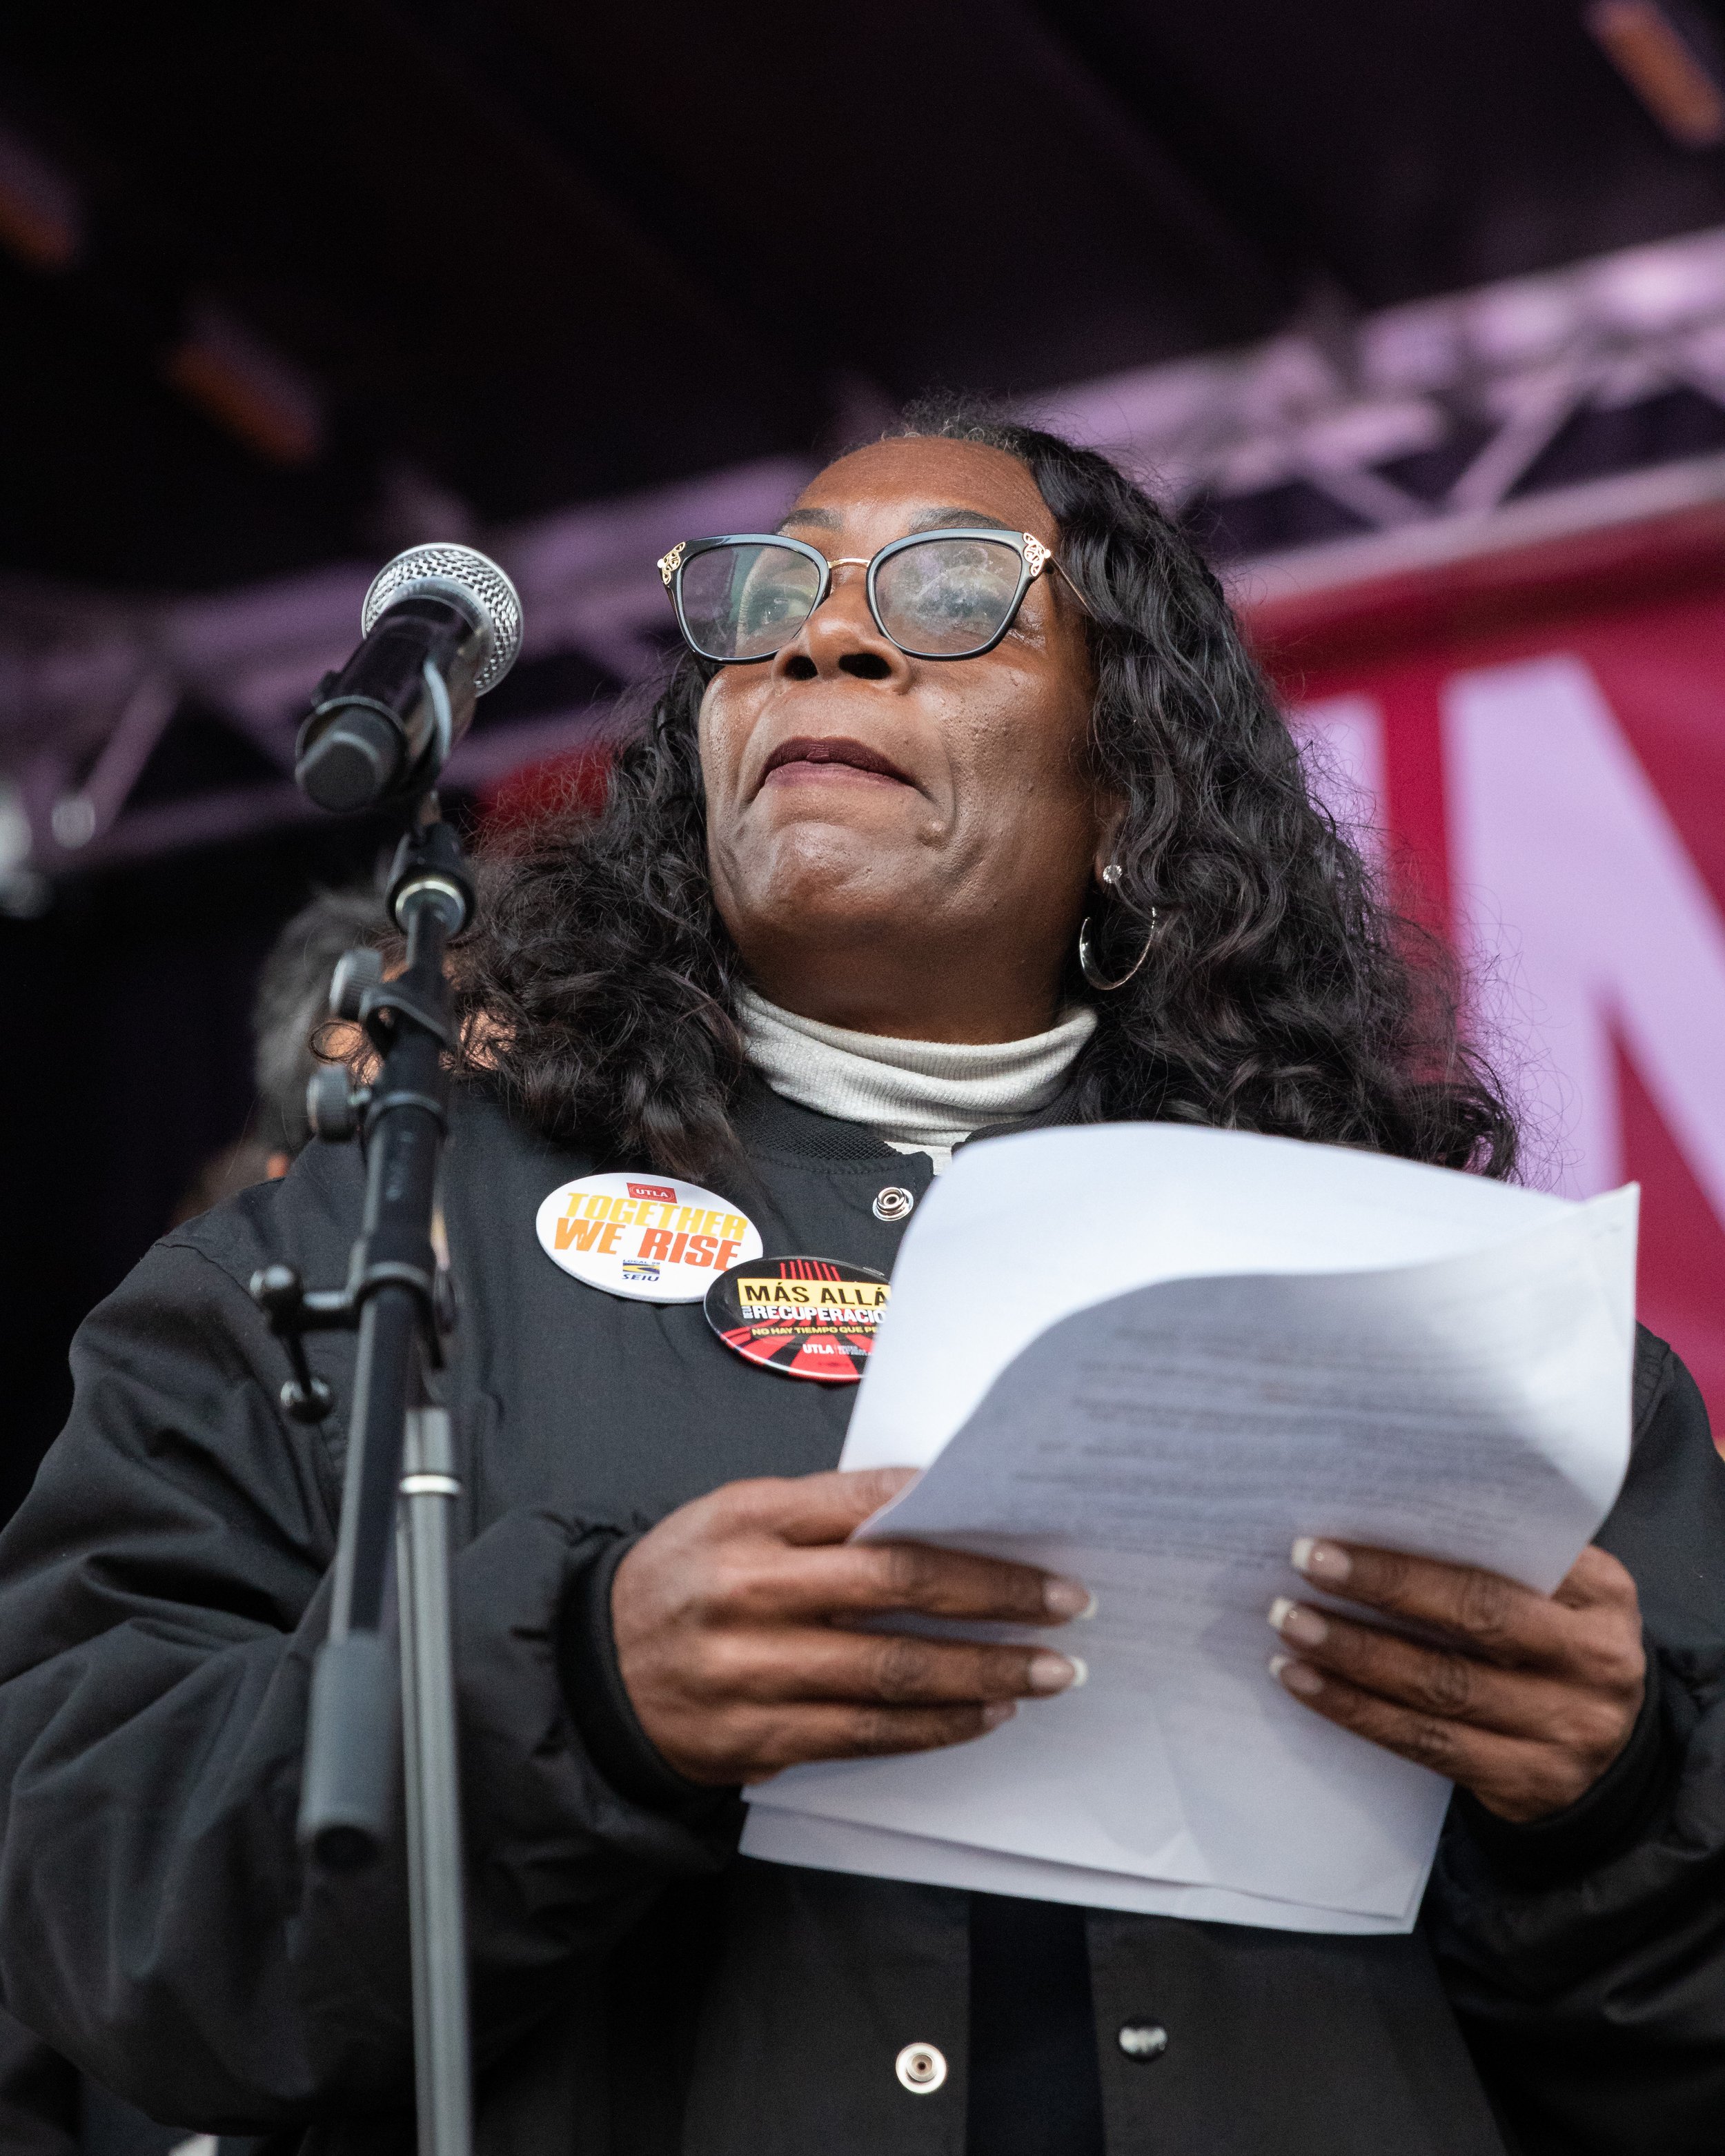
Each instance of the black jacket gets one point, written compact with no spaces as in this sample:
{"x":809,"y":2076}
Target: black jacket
{"x":48,"y":2109}
{"x":639,"y":1990}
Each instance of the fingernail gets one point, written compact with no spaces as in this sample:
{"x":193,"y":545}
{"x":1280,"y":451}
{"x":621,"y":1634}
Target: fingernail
{"x":1297,"y":1676}
{"x":1002,"y":1710}
{"x":1305,"y":1627}
{"x":1056,"y":1672}
{"x":1325,"y":1561}
{"x":1068,"y":1597}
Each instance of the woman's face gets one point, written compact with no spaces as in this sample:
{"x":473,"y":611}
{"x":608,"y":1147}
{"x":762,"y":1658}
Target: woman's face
{"x":904,"y":845}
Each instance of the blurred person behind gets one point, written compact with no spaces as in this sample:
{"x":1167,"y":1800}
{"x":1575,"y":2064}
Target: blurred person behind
{"x":290,"y":1019}
{"x":290,"y":1009}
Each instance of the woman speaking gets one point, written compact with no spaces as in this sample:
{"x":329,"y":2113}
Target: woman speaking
{"x":964,"y":809}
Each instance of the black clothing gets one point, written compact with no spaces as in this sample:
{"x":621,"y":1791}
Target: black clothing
{"x":48,"y":2109}
{"x":638,"y":1989}
{"x":39,"y":2096}
{"x":1035,"y":2088}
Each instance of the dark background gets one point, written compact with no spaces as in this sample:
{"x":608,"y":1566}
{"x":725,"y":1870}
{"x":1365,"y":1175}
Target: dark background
{"x":528,"y":254}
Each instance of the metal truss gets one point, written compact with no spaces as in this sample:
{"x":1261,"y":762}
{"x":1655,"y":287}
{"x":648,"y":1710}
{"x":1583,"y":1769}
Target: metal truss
{"x":1473,"y":387}
{"x":1420,"y":424}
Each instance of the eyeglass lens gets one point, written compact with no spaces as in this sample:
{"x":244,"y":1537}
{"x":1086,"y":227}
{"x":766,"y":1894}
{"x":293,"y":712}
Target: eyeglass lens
{"x":940,"y":598}
{"x":946,"y":596}
{"x":747,"y":601}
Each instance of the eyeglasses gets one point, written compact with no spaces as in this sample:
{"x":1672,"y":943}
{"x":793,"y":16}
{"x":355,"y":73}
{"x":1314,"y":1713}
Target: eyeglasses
{"x":951,"y":594}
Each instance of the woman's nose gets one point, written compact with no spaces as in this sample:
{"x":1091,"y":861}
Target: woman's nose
{"x":841,"y":636}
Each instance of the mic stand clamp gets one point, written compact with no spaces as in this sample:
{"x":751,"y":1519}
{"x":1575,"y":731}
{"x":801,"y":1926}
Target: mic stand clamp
{"x":400,"y":1475}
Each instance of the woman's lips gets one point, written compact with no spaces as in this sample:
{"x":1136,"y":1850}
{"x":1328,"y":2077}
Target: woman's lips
{"x":820,"y":760}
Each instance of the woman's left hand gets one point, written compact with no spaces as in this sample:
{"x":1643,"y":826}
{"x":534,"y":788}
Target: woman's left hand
{"x":1528,"y":1702}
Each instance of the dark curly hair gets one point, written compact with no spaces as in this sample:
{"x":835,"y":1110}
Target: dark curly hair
{"x":1281,"y":995}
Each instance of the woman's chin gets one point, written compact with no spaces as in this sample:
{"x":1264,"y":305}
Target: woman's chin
{"x":832,"y":844}
{"x":832,"y":883}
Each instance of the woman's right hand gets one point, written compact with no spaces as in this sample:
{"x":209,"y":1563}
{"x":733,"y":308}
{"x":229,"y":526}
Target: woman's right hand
{"x":734,"y":1622}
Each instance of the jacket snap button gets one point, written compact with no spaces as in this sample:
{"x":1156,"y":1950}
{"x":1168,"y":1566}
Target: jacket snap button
{"x":1142,"y":2039}
{"x":894,"y":1203}
{"x":920,"y":2067}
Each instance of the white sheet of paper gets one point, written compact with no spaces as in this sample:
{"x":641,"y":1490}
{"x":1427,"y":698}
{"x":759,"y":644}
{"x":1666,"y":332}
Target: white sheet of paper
{"x":824,"y":1845}
{"x":1468,"y":1398}
{"x":1023,"y":1231}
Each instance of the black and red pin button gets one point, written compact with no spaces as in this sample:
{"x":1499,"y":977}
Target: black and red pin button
{"x":805,"y":1317}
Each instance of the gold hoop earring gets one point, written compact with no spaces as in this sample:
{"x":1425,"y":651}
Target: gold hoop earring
{"x":1087,"y":964}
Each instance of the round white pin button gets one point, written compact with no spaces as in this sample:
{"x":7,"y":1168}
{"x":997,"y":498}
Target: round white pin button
{"x":650,"y":1238}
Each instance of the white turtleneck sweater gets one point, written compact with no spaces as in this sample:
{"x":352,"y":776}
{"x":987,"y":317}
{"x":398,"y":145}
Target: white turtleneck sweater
{"x":918,"y":1095}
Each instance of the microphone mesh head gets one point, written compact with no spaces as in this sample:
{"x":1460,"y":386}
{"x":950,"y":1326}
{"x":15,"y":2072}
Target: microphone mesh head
{"x":470,"y":580}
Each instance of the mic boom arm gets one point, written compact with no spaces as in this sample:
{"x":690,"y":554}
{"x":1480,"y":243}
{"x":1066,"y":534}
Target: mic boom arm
{"x":400,"y":1475}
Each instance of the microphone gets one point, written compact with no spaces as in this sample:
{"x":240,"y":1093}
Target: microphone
{"x":441,"y":624}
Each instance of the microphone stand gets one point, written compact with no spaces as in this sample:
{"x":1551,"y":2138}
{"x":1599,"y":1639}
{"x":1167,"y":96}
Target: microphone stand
{"x":400,"y":1480}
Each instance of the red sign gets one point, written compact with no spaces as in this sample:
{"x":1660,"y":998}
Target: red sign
{"x":659,"y":1194}
{"x":1545,"y":781}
